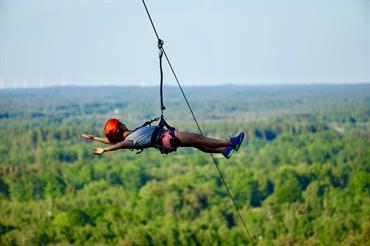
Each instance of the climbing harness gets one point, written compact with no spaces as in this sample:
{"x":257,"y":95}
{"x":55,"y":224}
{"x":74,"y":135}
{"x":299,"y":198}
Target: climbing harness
{"x":163,"y":126}
{"x":163,"y":123}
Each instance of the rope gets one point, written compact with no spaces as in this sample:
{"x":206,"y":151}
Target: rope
{"x":200,"y":130}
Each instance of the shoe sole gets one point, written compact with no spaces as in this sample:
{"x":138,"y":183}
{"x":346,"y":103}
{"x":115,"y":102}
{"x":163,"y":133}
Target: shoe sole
{"x":230,"y":154}
{"x":237,"y":147}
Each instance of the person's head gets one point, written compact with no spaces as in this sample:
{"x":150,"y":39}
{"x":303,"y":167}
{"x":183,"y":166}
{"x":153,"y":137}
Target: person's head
{"x":114,"y":129}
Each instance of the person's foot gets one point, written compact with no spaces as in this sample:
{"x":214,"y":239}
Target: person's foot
{"x":237,"y":141}
{"x":228,"y":152}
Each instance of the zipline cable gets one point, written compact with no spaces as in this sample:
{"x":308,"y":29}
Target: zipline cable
{"x":196,"y":121}
{"x":173,"y":71}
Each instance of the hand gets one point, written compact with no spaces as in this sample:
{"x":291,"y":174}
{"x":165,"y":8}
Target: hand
{"x":88,"y":136}
{"x":98,"y":151}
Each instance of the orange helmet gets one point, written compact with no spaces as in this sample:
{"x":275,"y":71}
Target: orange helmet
{"x":111,"y":128}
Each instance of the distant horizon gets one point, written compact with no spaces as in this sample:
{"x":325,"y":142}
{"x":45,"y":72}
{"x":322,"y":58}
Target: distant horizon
{"x":185,"y":86}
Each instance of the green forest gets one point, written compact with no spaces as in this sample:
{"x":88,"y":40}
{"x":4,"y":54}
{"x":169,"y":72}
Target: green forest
{"x":301,"y":177}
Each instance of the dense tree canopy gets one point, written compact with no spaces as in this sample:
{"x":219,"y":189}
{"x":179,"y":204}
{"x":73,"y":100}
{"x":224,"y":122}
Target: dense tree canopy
{"x":302,"y":177}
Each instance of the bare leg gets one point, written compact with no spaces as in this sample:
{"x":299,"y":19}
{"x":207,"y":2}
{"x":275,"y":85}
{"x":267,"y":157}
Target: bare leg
{"x":209,"y":145}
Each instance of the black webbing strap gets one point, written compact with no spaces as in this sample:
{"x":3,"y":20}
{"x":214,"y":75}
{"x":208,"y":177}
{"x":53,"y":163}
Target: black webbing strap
{"x":146,"y":123}
{"x":162,"y":123}
{"x":163,"y":126}
{"x":160,"y":47}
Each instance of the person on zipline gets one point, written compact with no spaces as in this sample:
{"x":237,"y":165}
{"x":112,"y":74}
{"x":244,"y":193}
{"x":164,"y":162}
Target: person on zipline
{"x":119,"y":137}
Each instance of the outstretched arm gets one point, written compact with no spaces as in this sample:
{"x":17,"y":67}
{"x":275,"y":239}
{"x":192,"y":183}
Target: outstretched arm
{"x":95,"y":138}
{"x":125,"y":144}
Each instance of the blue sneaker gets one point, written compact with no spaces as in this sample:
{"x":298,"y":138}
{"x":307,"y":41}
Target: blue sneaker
{"x":237,"y":141}
{"x":228,"y":152}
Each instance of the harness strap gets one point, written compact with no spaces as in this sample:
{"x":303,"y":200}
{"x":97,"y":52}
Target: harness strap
{"x":175,"y":142}
{"x":156,"y":138}
{"x":146,"y":123}
{"x":160,"y":47}
{"x":163,"y":126}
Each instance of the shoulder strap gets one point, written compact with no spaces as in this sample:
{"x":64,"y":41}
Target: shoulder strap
{"x":146,"y":123}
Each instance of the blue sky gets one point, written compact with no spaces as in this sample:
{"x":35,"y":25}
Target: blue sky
{"x":55,"y":42}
